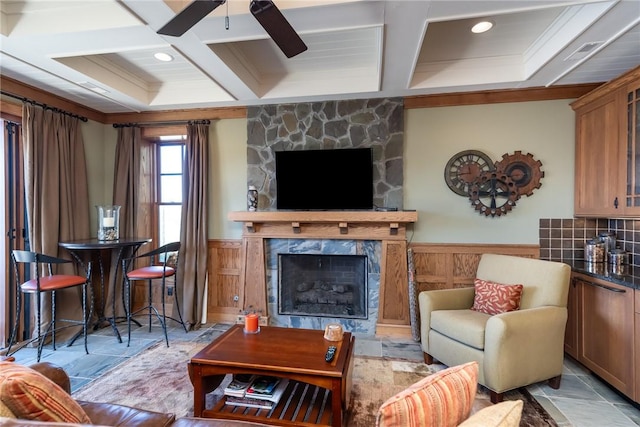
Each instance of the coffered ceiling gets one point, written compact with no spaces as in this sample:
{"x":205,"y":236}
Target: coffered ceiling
{"x":100,"y":53}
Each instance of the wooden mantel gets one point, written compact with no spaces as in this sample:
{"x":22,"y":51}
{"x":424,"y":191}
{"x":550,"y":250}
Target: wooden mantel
{"x":387,"y":227}
{"x":370,"y":225}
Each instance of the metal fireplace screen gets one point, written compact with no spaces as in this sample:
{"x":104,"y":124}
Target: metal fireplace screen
{"x":322,"y":285}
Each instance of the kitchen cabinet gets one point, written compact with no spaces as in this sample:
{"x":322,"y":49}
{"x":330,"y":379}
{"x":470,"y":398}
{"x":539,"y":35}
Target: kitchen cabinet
{"x":637,"y":345}
{"x":607,"y":167}
{"x":571,"y":331}
{"x":604,"y":329}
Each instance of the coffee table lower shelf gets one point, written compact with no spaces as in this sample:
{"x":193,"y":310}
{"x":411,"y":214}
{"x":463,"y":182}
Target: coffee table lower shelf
{"x":300,"y":405}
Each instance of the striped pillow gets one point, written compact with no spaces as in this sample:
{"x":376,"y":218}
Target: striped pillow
{"x":32,"y":396}
{"x":440,"y":400}
{"x":5,"y":412}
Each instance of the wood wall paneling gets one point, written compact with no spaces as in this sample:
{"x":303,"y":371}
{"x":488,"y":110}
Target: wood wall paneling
{"x":224,"y":271}
{"x":448,"y":266}
{"x":394,"y":308}
{"x":254,"y":281}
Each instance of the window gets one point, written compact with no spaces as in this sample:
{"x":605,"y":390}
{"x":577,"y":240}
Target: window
{"x":170,"y":162}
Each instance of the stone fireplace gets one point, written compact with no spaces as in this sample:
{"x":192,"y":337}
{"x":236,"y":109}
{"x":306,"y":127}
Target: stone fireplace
{"x":331,"y":281}
{"x":380,"y":237}
{"x":322,"y":285}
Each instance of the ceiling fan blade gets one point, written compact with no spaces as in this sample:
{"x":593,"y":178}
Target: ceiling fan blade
{"x":277,"y":26}
{"x":189,"y":16}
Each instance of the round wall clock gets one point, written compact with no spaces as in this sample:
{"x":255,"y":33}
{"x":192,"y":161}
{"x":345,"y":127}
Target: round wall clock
{"x":493,"y":194}
{"x":464,"y":168}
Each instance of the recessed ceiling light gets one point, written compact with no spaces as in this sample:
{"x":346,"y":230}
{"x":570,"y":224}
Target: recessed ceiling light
{"x":482,"y":26}
{"x":164,"y":57}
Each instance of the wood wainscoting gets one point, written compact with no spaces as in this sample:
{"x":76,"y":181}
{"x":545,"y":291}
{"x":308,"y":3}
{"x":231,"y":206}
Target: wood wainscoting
{"x":448,"y":266}
{"x":437,"y":265}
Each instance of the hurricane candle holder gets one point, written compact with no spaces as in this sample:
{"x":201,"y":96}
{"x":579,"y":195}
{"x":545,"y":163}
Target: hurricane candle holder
{"x":108,"y":222}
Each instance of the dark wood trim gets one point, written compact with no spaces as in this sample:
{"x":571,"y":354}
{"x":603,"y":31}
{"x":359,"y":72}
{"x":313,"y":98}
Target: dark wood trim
{"x":421,"y":101}
{"x":10,"y":109}
{"x":17,"y":88}
{"x":499,"y":96}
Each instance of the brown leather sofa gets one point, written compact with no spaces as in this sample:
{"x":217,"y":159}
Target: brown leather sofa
{"x":113,"y":415}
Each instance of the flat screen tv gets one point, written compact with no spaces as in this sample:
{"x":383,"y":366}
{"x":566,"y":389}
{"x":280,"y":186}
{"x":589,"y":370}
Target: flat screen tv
{"x":331,"y":179}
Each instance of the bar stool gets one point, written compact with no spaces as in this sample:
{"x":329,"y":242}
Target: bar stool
{"x":47,"y":283}
{"x":159,"y":268}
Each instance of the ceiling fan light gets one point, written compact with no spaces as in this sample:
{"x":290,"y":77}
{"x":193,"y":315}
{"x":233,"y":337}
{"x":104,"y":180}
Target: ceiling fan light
{"x":481,"y":27}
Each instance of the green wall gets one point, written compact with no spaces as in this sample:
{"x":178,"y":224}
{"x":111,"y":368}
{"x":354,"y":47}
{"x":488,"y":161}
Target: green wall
{"x":432,"y":135}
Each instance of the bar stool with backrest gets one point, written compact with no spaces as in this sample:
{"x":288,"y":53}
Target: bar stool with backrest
{"x":163,"y":264}
{"x":49,"y":282}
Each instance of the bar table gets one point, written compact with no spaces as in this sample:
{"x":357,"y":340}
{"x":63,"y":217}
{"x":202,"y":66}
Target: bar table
{"x":107,"y":253}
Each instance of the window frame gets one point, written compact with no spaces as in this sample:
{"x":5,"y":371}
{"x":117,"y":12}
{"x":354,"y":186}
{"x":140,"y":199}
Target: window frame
{"x":177,"y":140}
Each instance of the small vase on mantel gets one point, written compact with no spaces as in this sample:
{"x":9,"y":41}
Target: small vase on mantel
{"x":252,"y":199}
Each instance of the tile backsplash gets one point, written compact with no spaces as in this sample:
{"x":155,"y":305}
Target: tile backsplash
{"x":563,"y":239}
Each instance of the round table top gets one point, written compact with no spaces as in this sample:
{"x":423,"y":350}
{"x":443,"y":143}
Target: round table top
{"x":94,"y":243}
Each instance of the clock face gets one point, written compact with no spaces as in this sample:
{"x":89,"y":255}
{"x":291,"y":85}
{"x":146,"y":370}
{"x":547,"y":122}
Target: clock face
{"x":464,"y":169}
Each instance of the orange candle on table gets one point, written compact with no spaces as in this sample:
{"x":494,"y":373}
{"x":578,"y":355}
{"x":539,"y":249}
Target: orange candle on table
{"x":251,"y":323}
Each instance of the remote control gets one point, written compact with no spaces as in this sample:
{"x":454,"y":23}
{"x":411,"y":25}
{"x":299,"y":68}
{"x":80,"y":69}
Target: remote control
{"x":331,"y":352}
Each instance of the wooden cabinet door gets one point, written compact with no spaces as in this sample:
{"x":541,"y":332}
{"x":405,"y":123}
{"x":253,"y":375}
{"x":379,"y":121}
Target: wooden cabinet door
{"x":606,"y":334}
{"x":632,"y":143}
{"x":636,"y":356}
{"x":571,"y":331}
{"x":598,"y":177}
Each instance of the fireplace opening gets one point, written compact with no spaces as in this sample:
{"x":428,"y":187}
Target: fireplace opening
{"x":322,"y":285}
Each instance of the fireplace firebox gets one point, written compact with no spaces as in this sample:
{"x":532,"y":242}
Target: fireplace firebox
{"x":322,"y":285}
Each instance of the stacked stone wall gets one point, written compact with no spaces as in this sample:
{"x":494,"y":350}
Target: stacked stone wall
{"x":376,"y":123}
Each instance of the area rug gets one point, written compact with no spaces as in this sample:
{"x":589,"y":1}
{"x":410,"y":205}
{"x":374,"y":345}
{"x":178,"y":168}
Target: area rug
{"x":157,"y":380}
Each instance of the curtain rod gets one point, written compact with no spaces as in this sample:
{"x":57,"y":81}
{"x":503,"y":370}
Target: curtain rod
{"x":152,"y":124}
{"x":45,"y":106}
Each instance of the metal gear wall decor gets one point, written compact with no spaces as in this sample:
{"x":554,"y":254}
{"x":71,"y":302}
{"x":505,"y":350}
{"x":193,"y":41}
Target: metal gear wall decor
{"x":523,"y":170}
{"x":493,"y":187}
{"x":493,"y":194}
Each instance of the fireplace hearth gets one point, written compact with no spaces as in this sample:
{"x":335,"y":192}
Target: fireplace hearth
{"x":322,"y":285}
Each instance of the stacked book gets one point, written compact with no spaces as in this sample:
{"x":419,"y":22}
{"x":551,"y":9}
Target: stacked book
{"x":255,"y":391}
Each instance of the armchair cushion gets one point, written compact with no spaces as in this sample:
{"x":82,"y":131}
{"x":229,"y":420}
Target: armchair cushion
{"x":495,"y":298}
{"x":30,"y":395}
{"x":440,"y":400}
{"x":466,"y":326}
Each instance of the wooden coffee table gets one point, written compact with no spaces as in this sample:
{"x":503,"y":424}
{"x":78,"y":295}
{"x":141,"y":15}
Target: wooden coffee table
{"x":317,"y":394}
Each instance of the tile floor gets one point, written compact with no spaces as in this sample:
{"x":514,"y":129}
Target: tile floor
{"x":582,"y":400}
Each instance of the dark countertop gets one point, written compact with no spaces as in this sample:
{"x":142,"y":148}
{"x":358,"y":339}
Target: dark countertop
{"x":630,"y":277}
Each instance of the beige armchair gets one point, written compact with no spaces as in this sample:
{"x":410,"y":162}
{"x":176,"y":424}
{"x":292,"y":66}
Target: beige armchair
{"x":513,"y":349}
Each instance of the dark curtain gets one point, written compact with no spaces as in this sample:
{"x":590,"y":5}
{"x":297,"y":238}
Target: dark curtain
{"x":127,"y":178}
{"x":56,"y":192}
{"x":192,"y":260}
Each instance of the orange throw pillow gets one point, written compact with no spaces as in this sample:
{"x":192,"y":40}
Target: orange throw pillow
{"x":495,"y":298}
{"x":442,"y":399}
{"x":32,"y":396}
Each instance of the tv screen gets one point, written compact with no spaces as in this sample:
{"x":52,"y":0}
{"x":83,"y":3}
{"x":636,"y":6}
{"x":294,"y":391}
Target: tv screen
{"x":332,"y":179}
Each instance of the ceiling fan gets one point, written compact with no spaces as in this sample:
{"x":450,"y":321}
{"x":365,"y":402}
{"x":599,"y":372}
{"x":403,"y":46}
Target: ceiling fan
{"x":265,"y":11}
